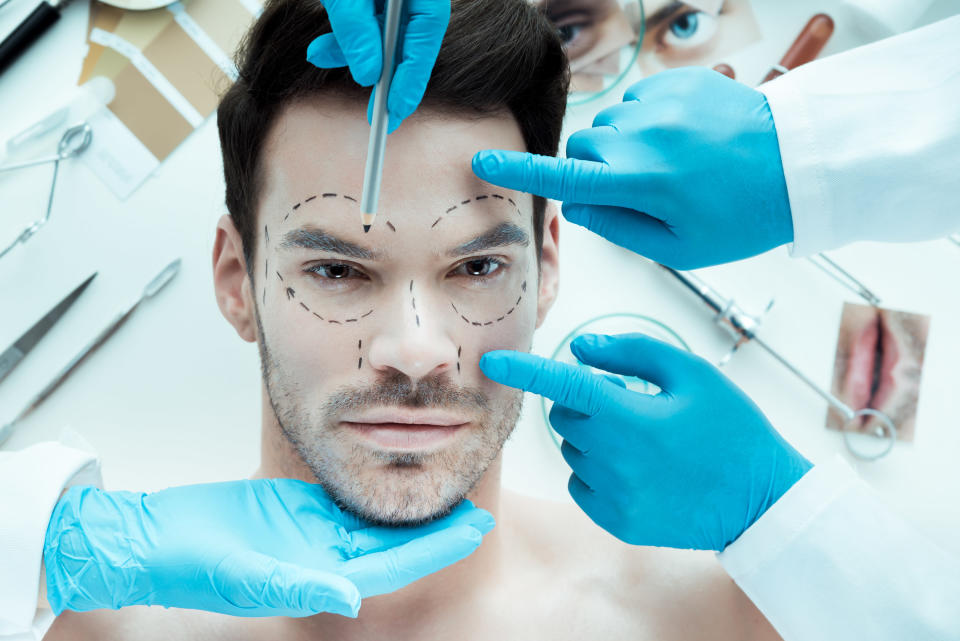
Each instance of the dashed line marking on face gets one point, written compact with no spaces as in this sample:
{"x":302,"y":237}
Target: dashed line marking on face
{"x":523,"y":287}
{"x":390,"y":225}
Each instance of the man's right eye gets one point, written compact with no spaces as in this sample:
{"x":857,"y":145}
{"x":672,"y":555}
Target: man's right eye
{"x":335,"y":271}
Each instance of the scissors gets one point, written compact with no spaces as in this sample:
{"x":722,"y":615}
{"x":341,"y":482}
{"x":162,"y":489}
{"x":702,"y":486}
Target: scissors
{"x":10,"y":358}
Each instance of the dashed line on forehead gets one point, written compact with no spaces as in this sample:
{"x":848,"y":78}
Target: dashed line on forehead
{"x":477,"y":199}
{"x":322,"y":195}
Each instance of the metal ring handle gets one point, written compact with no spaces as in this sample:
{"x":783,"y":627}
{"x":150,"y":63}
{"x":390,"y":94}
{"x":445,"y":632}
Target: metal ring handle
{"x":889,"y":433}
{"x":75,"y":140}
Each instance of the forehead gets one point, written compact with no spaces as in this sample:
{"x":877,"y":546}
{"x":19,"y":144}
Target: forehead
{"x":319,"y":147}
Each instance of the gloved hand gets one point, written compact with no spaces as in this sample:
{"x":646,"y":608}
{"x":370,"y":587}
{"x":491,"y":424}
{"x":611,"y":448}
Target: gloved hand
{"x":271,"y":547}
{"x":691,"y":467}
{"x":685,"y":171}
{"x":357,"y":42}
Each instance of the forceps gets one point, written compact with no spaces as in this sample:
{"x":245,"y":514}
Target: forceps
{"x":743,"y":327}
{"x":74,"y":141}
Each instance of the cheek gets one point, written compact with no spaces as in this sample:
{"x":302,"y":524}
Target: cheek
{"x":515,"y":332}
{"x":309,"y":350}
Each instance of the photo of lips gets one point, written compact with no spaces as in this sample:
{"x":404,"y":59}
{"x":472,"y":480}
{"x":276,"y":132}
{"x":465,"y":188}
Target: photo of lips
{"x":878,"y":365}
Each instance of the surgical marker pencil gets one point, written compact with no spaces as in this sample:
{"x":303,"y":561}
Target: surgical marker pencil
{"x":373,"y":170}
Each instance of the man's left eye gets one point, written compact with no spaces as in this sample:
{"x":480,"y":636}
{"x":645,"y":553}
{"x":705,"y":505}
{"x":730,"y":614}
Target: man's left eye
{"x":478,"y":267}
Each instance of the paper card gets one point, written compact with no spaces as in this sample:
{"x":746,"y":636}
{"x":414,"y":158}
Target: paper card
{"x":116,"y":156}
{"x":879,"y":362}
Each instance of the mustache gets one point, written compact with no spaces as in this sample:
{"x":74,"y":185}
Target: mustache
{"x":398,"y":390}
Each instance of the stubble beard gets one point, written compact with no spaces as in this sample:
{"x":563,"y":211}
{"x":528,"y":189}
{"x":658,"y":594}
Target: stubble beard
{"x":383,"y":487}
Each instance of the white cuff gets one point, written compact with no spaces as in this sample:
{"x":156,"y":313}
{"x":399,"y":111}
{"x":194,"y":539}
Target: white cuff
{"x":31,"y":481}
{"x":803,"y":167}
{"x":829,"y":561}
{"x":773,"y":532}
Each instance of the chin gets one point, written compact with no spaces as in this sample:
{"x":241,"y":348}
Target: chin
{"x":401,"y":493}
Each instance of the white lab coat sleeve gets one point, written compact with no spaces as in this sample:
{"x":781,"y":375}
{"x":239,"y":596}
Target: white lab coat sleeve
{"x":829,"y":562}
{"x":31,"y":481}
{"x":870,"y":140}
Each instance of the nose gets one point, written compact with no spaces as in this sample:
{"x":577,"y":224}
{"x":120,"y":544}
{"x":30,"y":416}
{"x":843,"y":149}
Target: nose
{"x":413,"y":340}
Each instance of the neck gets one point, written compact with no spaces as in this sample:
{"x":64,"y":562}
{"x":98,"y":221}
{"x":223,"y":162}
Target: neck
{"x":429,"y":597}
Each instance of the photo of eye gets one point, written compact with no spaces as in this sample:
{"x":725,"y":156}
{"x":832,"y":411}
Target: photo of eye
{"x":600,"y":37}
{"x":879,"y":362}
{"x":679,"y":34}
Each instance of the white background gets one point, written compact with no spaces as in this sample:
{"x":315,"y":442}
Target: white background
{"x":174,"y":396}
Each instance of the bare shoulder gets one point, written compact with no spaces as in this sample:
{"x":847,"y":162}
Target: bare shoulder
{"x":150,"y":624}
{"x":660,"y":592}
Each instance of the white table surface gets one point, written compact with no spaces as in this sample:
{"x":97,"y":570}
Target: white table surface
{"x":174,"y":396}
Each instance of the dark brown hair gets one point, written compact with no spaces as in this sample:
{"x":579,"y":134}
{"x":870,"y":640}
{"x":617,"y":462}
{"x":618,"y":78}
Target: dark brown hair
{"x":497,"y":55}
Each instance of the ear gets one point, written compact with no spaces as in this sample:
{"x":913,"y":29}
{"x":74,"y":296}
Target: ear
{"x":231,"y":281}
{"x":549,"y":262}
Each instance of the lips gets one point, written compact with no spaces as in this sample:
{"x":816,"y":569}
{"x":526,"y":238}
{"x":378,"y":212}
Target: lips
{"x":874,"y":354}
{"x":406,"y":430}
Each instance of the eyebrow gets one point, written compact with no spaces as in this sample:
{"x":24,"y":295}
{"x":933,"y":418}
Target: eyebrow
{"x":661,"y":14}
{"x":317,"y":239}
{"x":503,"y":235}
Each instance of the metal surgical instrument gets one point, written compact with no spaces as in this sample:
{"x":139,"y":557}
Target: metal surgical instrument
{"x":74,"y":141}
{"x":743,"y":327}
{"x":154,"y":286}
{"x":10,"y":358}
{"x":845,"y":278}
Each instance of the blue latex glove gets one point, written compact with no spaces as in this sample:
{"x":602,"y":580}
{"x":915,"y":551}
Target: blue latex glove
{"x":691,"y":467}
{"x":357,"y":42}
{"x":685,"y":171}
{"x":272,"y":547}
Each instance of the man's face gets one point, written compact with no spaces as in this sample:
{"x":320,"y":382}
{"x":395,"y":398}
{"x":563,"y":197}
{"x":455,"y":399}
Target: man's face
{"x":370,"y":342}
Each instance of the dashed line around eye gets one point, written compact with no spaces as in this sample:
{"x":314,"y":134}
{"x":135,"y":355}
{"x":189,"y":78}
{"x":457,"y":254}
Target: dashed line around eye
{"x":322,"y":195}
{"x":475,"y":323}
{"x":292,"y":294}
{"x":478,"y":198}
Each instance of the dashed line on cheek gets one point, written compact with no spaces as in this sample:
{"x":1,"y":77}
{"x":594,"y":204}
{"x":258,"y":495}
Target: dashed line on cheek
{"x":291,"y":294}
{"x":523,"y":288}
